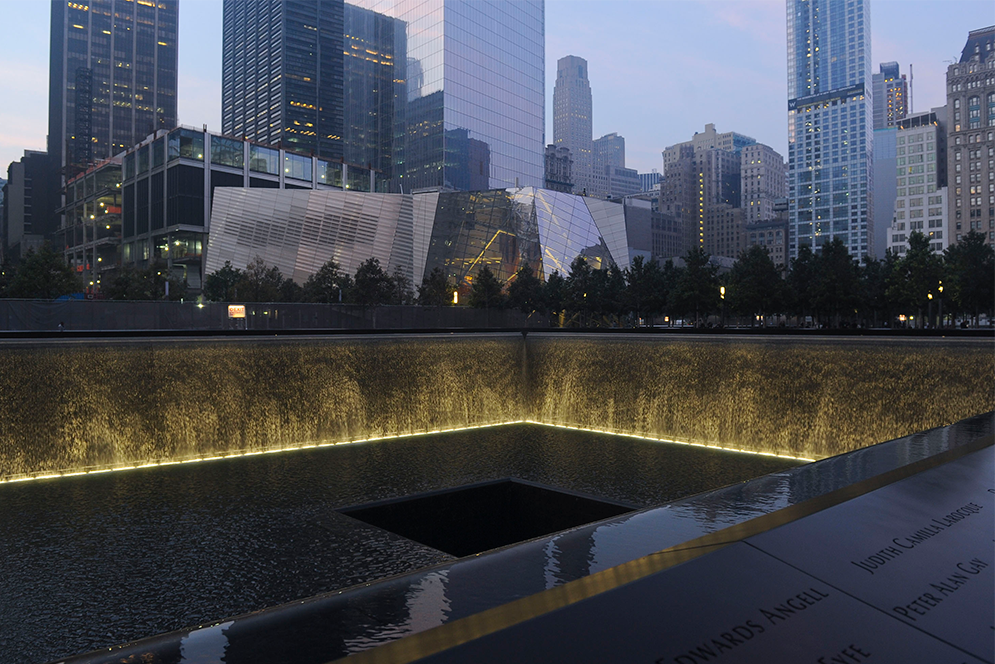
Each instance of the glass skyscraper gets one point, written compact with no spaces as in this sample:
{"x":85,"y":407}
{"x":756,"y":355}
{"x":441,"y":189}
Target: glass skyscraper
{"x":475,"y":113}
{"x":112,"y":76}
{"x":282,"y":79}
{"x":830,"y":125}
{"x":429,"y":93}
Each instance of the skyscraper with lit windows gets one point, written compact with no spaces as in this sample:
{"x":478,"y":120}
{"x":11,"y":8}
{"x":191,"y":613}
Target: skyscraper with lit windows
{"x":830,"y":125}
{"x":282,"y":78}
{"x":112,"y":77}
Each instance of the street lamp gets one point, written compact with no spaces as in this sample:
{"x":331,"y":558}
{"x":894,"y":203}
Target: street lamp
{"x":722,"y":294}
{"x":941,"y":303}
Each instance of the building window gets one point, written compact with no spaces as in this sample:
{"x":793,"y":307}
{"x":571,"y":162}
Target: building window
{"x":297,"y":167}
{"x":264,"y":160}
{"x":187,"y":144}
{"x":227,"y":152}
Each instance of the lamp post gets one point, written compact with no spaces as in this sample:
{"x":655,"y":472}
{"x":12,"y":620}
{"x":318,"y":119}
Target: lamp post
{"x":941,"y":304}
{"x":929,"y":318}
{"x":722,"y":294}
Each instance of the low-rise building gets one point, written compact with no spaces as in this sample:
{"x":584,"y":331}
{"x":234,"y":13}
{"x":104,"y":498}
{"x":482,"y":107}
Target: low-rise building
{"x":168,"y":185}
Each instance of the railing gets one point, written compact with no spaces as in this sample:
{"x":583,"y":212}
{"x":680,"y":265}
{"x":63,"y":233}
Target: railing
{"x":86,"y":315}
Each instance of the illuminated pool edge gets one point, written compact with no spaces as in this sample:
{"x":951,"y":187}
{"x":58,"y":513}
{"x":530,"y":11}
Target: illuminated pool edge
{"x":98,"y":470}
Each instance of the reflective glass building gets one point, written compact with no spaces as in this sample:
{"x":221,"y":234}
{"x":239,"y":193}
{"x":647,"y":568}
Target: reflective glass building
{"x":428,"y":93}
{"x":475,"y":78}
{"x":112,"y":76}
{"x":460,"y":232}
{"x":830,"y":125}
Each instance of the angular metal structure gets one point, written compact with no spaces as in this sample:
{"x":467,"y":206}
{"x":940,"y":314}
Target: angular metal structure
{"x":458,"y":231}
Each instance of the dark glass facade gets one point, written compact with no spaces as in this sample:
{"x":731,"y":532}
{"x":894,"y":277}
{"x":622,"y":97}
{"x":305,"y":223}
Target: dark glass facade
{"x":374,"y":72}
{"x":112,"y":76}
{"x":282,"y":80}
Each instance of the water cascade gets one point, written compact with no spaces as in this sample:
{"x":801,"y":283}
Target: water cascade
{"x":74,"y":406}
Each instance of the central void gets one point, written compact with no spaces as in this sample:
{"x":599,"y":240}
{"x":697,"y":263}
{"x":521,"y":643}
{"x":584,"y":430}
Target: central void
{"x":488,"y":515}
{"x":93,"y":561}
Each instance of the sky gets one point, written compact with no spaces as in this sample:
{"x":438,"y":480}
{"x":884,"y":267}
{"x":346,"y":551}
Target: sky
{"x":660,"y":70}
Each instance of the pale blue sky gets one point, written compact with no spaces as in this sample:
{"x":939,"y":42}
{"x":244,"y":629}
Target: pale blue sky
{"x":659,"y":69}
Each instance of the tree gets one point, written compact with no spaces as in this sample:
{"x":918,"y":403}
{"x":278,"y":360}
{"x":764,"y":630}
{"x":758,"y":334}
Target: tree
{"x":327,"y":285}
{"x":698,"y":285}
{"x":260,"y":283}
{"x":610,"y":292}
{"x":435,"y":290}
{"x":525,"y":291}
{"x":401,"y":292}
{"x":222,"y":284}
{"x":486,"y":291}
{"x":755,"y":284}
{"x":837,"y":282}
{"x":43,"y":275}
{"x":554,"y":293}
{"x":917,"y":274}
{"x":371,"y":285}
{"x":581,"y":288}
{"x":802,"y":282}
{"x":290,"y":291}
{"x":148,"y":283}
{"x":970,"y":274}
{"x":644,"y":285}
{"x":874,"y":287}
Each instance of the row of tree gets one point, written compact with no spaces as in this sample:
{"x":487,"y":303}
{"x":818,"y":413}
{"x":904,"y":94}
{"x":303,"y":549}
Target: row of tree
{"x":830,"y":286}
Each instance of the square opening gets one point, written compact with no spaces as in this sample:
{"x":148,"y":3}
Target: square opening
{"x":483,"y":516}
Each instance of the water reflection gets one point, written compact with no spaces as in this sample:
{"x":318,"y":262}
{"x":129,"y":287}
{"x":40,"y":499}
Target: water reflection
{"x":119,"y":556}
{"x":206,"y":645}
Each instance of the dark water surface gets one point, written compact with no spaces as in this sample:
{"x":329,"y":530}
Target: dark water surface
{"x":89,"y":562}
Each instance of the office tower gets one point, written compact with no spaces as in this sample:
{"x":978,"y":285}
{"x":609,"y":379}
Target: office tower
{"x":885,"y":192}
{"x":920,"y":198}
{"x":971,"y":138}
{"x":891,"y":95}
{"x":699,"y":173}
{"x":830,"y":121}
{"x":572,"y":117}
{"x":112,"y":77}
{"x":282,"y":73}
{"x":611,"y":179}
{"x":764,"y":178}
{"x":609,"y":150}
{"x":374,"y":91}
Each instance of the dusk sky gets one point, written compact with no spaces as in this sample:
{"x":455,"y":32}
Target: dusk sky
{"x":659,"y":69}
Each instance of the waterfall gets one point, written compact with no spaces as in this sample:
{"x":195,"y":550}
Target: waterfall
{"x":71,"y":406}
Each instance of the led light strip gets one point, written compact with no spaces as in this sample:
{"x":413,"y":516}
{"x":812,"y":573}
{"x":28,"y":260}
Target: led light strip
{"x":711,"y":446}
{"x":233,"y":455}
